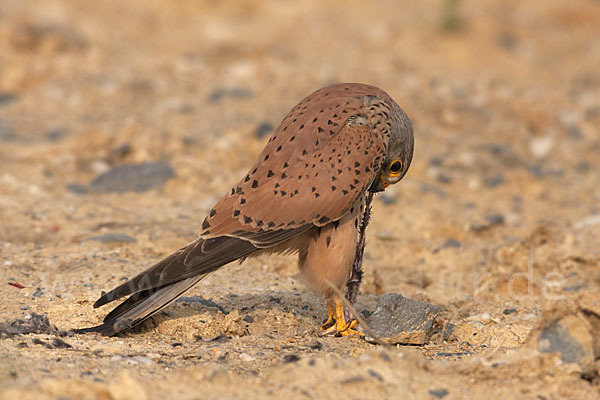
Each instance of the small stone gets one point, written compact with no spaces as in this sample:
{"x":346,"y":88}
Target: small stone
{"x":56,"y":134}
{"x":387,"y":199}
{"x":508,"y":40}
{"x":31,"y":323}
{"x":119,"y":153}
{"x":316,"y":345}
{"x":448,"y":329}
{"x":375,"y":375}
{"x":58,"y":343}
{"x":438,"y":393}
{"x":493,"y":181}
{"x":6,"y":98}
{"x":248,"y":318}
{"x":385,"y":235}
{"x":437,"y":160}
{"x":263,"y":130}
{"x":49,"y":38}
{"x":451,"y":243}
{"x":541,"y":146}
{"x":288,"y":358}
{"x":399,"y":319}
{"x":571,"y":337}
{"x":494,"y":219}
{"x":133,"y":177}
{"x":246,"y":357}
{"x":221,"y":92}
{"x":541,"y":171}
{"x":427,"y":188}
{"x":491,"y":220}
{"x":508,"y":311}
{"x":583,"y":166}
{"x":443,"y":178}
{"x":113,"y":238}
{"x":590,"y":220}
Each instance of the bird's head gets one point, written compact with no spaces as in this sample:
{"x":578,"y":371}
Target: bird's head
{"x":399,"y":153}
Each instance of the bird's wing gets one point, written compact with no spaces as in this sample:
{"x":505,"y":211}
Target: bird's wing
{"x":311,"y":175}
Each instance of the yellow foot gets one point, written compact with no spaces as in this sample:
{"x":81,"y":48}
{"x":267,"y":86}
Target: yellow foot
{"x":336,"y":324}
{"x":330,"y":323}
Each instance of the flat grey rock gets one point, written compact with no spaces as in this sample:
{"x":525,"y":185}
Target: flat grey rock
{"x":133,"y":177}
{"x":572,"y":338}
{"x":401,"y":320}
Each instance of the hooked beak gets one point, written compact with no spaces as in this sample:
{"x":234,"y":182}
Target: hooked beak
{"x":379,"y":184}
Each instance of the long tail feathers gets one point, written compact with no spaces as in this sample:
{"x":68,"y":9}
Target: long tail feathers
{"x":165,"y":281}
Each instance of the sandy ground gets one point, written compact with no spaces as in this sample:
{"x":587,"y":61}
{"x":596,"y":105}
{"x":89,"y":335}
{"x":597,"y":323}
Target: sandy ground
{"x":497,"y":220}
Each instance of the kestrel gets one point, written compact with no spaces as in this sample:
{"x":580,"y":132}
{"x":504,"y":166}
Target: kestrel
{"x":307,"y":194}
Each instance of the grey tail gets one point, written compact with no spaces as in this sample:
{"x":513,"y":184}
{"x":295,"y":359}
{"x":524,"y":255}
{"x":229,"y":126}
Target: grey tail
{"x":159,"y":285}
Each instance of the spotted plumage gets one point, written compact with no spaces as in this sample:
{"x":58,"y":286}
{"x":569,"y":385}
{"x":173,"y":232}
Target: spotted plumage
{"x":305,"y":194}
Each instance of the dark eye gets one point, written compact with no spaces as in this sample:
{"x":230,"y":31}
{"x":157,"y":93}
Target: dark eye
{"x":396,"y":166}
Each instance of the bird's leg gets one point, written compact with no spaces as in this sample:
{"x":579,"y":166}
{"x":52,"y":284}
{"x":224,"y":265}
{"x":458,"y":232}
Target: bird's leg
{"x":353,"y":283}
{"x":340,"y":326}
{"x":330,"y":323}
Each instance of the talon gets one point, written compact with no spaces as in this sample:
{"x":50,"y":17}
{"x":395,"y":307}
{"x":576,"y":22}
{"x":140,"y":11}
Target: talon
{"x":336,"y":323}
{"x":329,"y":325}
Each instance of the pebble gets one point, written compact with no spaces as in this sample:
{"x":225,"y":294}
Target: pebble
{"x":451,"y":243}
{"x":541,"y":171}
{"x":494,"y":219}
{"x":386,"y":235}
{"x":448,"y":329}
{"x":493,"y":181}
{"x":7,"y":98}
{"x":220,"y":93}
{"x":56,"y":134}
{"x":263,"y":129}
{"x":491,"y":220}
{"x":572,"y":338}
{"x":387,"y":199}
{"x":583,"y":166}
{"x":428,"y":188}
{"x":590,"y":220}
{"x":49,"y":38}
{"x":113,"y":238}
{"x":288,"y":358}
{"x":438,"y":393}
{"x":143,"y":360}
{"x":541,"y":146}
{"x":400,"y":320}
{"x":133,"y":177}
{"x":246,"y":357}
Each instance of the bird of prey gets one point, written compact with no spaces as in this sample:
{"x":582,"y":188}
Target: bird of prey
{"x":307,"y":194}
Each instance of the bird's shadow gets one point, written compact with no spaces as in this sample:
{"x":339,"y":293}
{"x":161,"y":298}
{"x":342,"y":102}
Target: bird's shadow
{"x":303,"y":306}
{"x":307,"y":308}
